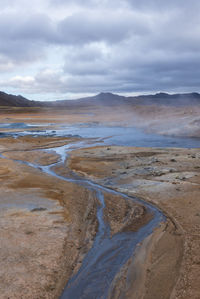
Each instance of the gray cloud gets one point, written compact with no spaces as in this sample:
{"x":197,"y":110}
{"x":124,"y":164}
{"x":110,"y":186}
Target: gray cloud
{"x":22,"y":37}
{"x":82,"y":29}
{"x":89,"y":60}
{"x":92,"y":45}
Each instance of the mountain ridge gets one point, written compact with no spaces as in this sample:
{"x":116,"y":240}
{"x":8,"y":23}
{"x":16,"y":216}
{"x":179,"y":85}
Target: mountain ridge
{"x":106,"y":99}
{"x":16,"y":101}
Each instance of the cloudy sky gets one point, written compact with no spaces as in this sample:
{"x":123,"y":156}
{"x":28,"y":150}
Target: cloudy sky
{"x":60,"y":49}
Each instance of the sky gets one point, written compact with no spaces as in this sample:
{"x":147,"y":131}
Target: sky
{"x":67,"y":49}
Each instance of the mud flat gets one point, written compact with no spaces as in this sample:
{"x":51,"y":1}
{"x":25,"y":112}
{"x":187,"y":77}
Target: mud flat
{"x":159,"y":119}
{"x":46,"y":224}
{"x":167,"y":262}
{"x":49,"y":224}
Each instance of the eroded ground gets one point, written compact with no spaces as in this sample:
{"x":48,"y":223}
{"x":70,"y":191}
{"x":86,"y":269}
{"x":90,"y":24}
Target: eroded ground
{"x":47,"y":225}
{"x":164,"y":120}
{"x":169,"y":178}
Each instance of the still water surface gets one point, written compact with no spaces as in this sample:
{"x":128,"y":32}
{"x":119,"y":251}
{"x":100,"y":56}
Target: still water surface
{"x":113,"y":135}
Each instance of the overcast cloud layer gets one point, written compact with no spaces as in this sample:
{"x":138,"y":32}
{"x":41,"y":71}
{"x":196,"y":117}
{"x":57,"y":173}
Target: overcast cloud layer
{"x":60,"y":49}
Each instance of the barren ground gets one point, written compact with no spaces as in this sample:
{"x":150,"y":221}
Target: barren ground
{"x":165,"y":120}
{"x":169,"y":178}
{"x":47,"y":225}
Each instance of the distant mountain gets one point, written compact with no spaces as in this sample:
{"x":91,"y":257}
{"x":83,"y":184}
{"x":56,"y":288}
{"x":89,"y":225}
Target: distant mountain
{"x":112,"y":100}
{"x":184,"y":99}
{"x":16,"y":101}
{"x":107,"y":100}
{"x":102,"y":99}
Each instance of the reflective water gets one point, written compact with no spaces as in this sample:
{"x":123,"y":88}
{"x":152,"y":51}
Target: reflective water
{"x":16,"y":126}
{"x":114,"y":135}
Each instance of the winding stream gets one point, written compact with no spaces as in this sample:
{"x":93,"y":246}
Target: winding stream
{"x":108,"y":254}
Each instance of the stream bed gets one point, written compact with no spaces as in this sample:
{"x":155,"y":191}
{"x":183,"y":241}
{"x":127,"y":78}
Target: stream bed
{"x":108,"y":254}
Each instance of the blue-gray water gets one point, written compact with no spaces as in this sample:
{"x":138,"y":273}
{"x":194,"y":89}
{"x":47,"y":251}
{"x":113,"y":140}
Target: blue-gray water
{"x":114,"y":135}
{"x":15,"y":126}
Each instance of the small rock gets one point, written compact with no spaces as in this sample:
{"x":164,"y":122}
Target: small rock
{"x":173,"y":160}
{"x":28,"y":232}
{"x":40,"y":209}
{"x":154,"y":160}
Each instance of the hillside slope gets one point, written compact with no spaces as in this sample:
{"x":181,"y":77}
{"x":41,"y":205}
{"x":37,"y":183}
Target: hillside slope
{"x":106,"y":99}
{"x":112,"y":100}
{"x":16,"y":101}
